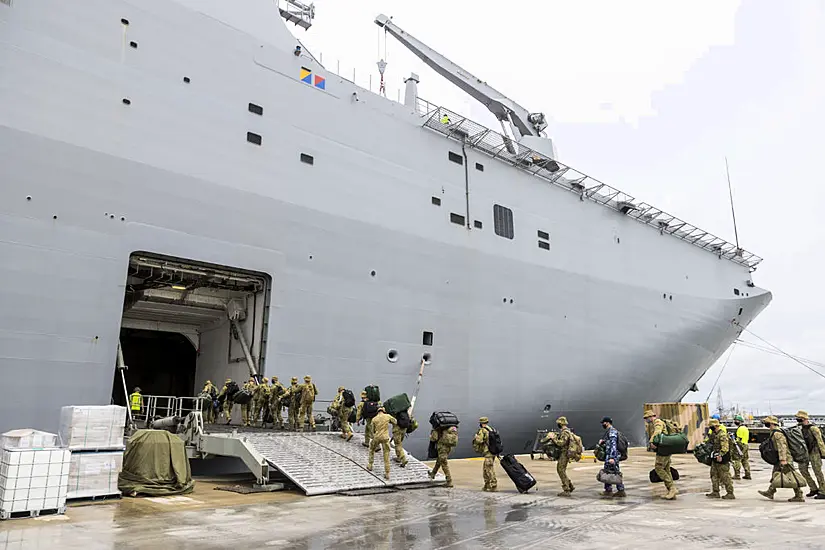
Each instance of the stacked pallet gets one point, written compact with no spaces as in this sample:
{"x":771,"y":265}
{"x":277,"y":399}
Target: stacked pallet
{"x":94,"y":434}
{"x":34,"y":475}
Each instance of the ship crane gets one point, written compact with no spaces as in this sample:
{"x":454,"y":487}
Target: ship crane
{"x":530,"y":126}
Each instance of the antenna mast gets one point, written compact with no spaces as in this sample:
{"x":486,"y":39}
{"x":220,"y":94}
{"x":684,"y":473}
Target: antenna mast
{"x":732,"y":211}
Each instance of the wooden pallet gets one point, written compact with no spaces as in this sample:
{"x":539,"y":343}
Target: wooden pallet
{"x":32,"y":513}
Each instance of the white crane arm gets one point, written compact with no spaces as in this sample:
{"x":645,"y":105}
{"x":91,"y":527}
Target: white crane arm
{"x":505,"y":109}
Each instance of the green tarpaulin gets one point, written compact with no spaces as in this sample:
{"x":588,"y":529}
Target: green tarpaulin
{"x":155,"y":464}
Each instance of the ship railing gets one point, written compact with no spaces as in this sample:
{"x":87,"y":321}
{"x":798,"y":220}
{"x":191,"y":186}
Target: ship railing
{"x":475,"y":135}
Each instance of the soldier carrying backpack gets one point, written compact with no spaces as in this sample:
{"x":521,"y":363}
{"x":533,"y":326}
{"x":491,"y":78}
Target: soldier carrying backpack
{"x":570,"y":446}
{"x":775,"y":451}
{"x":481,"y":444}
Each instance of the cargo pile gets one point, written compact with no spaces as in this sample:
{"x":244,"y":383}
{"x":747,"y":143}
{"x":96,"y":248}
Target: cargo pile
{"x":34,"y":474}
{"x":94,"y":434}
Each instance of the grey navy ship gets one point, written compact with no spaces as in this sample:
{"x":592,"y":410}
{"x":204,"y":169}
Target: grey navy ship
{"x":212,"y":200}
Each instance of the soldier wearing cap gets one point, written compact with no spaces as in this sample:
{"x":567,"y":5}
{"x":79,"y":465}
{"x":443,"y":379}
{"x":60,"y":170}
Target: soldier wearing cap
{"x":276,"y":403}
{"x":381,"y":437}
{"x":307,"y":398}
{"x":480,"y":446}
{"x":720,"y":467}
{"x":816,"y":448}
{"x":563,"y":441}
{"x":785,"y":463}
{"x":292,"y":396}
{"x":743,"y":436}
{"x":662,"y":466}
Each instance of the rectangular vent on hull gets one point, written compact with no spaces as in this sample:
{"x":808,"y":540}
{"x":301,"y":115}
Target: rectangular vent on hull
{"x":503,"y":221}
{"x":436,"y":201}
{"x":479,"y":167}
{"x":544,"y":245}
{"x":307,"y":159}
{"x":456,"y":158}
{"x":256,"y":109}
{"x":253,"y":138}
{"x":478,"y":224}
{"x":427,"y":339}
{"x":457,"y":219}
{"x":544,"y":235}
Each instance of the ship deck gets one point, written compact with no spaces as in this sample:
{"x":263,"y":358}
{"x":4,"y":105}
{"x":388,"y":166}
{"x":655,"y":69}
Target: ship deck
{"x":463,"y":517}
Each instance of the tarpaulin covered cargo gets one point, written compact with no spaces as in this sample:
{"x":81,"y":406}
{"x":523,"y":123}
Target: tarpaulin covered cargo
{"x":155,"y":464}
{"x":692,"y":417}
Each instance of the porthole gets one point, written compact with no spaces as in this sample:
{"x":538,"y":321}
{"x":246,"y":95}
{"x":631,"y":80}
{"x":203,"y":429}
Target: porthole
{"x":427,"y":358}
{"x":392,"y":355}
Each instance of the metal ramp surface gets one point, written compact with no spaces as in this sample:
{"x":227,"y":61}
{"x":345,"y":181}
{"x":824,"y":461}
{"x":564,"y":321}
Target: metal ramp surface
{"x":323,"y":463}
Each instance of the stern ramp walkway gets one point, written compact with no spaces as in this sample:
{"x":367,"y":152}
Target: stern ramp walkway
{"x":317,"y":462}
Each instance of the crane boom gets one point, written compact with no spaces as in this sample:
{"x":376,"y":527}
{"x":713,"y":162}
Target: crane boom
{"x":504,"y":109}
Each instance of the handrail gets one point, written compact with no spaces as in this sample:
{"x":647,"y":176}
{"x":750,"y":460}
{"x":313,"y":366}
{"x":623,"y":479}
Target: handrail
{"x":495,"y":145}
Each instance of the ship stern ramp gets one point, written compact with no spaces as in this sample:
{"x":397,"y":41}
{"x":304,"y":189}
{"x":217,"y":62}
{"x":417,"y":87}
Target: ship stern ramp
{"x":318,"y":463}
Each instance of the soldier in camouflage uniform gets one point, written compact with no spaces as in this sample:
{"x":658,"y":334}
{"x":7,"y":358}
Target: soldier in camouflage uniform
{"x":563,"y":440}
{"x":293,"y":399}
{"x":381,"y":425}
{"x":208,"y":394}
{"x":720,"y":467}
{"x":276,"y":397}
{"x":657,"y":426}
{"x":260,"y":401}
{"x":308,"y":393}
{"x":480,"y":445}
{"x":785,"y":464}
{"x":398,"y":434}
{"x":367,"y":421}
{"x":227,"y":401}
{"x":342,"y":412}
{"x":446,"y":440}
{"x":816,"y":448}
{"x":245,"y":409}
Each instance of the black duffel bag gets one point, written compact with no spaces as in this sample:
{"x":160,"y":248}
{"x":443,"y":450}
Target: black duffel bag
{"x":654,"y":477}
{"x":243,"y":397}
{"x":443,"y":419}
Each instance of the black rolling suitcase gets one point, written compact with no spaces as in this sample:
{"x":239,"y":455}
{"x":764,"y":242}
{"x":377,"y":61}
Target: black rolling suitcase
{"x":518,"y":473}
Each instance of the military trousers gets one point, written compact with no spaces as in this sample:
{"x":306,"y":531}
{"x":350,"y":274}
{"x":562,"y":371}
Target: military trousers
{"x":275,"y":410}
{"x":368,"y":430}
{"x":441,"y":462}
{"x":385,"y":447}
{"x":304,"y":415}
{"x":343,"y":419}
{"x":720,"y":475}
{"x":815,"y":463}
{"x":489,"y":472}
{"x":398,"y":443}
{"x":245,"y":410}
{"x":662,"y":468}
{"x":292,"y":416}
{"x":561,"y":469}
{"x":228,"y":405}
{"x":259,"y":407}
{"x":743,"y":462}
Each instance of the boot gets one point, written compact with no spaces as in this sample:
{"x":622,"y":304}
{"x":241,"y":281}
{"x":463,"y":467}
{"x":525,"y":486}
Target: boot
{"x":564,"y":494}
{"x":493,"y":488}
{"x":713,"y":494}
{"x":820,"y":496}
{"x":728,"y":496}
{"x":606,"y":494}
{"x":620,"y":494}
{"x":736,"y":476}
{"x":813,"y":493}
{"x":747,"y":476}
{"x":350,"y":436}
{"x":570,"y":487}
{"x":365,"y":444}
{"x":797,"y":498}
{"x":449,"y":482}
{"x":431,"y":475}
{"x":386,"y":475}
{"x":766,"y":494}
{"x":671,"y":494}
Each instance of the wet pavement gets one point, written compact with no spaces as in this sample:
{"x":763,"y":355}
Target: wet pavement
{"x":459,"y":518}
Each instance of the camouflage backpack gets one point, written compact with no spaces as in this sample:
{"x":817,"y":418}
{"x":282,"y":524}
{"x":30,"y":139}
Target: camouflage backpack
{"x":308,"y":395}
{"x":449,"y":437}
{"x":671,"y":427}
{"x":575,"y":449}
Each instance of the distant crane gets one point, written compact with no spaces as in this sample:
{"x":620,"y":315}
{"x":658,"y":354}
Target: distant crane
{"x":720,"y":405}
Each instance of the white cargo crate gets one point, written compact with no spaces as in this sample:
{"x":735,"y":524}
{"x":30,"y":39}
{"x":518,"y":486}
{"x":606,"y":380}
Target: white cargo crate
{"x":33,"y":480}
{"x":94,"y":474}
{"x":92,"y":427}
{"x":28,"y":439}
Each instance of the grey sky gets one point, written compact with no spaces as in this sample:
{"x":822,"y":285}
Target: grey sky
{"x":649,"y":97}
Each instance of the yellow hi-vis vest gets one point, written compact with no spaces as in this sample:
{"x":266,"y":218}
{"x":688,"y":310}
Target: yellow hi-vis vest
{"x":136,"y":401}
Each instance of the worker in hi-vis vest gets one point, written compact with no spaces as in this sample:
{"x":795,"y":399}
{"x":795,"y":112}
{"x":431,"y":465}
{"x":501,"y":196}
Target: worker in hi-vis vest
{"x":136,"y":401}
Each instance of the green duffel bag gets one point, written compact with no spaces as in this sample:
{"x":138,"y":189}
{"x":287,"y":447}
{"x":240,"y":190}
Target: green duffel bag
{"x":552,"y":450}
{"x":703,"y":452}
{"x":673,"y":444}
{"x":396,"y":404}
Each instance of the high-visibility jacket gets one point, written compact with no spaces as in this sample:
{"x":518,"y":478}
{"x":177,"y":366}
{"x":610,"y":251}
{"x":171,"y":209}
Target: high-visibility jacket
{"x":445,"y":119}
{"x":743,"y":434}
{"x":136,"y":401}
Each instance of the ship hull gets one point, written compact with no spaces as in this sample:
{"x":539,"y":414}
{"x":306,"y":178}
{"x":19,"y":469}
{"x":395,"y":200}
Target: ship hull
{"x":361,"y":260}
